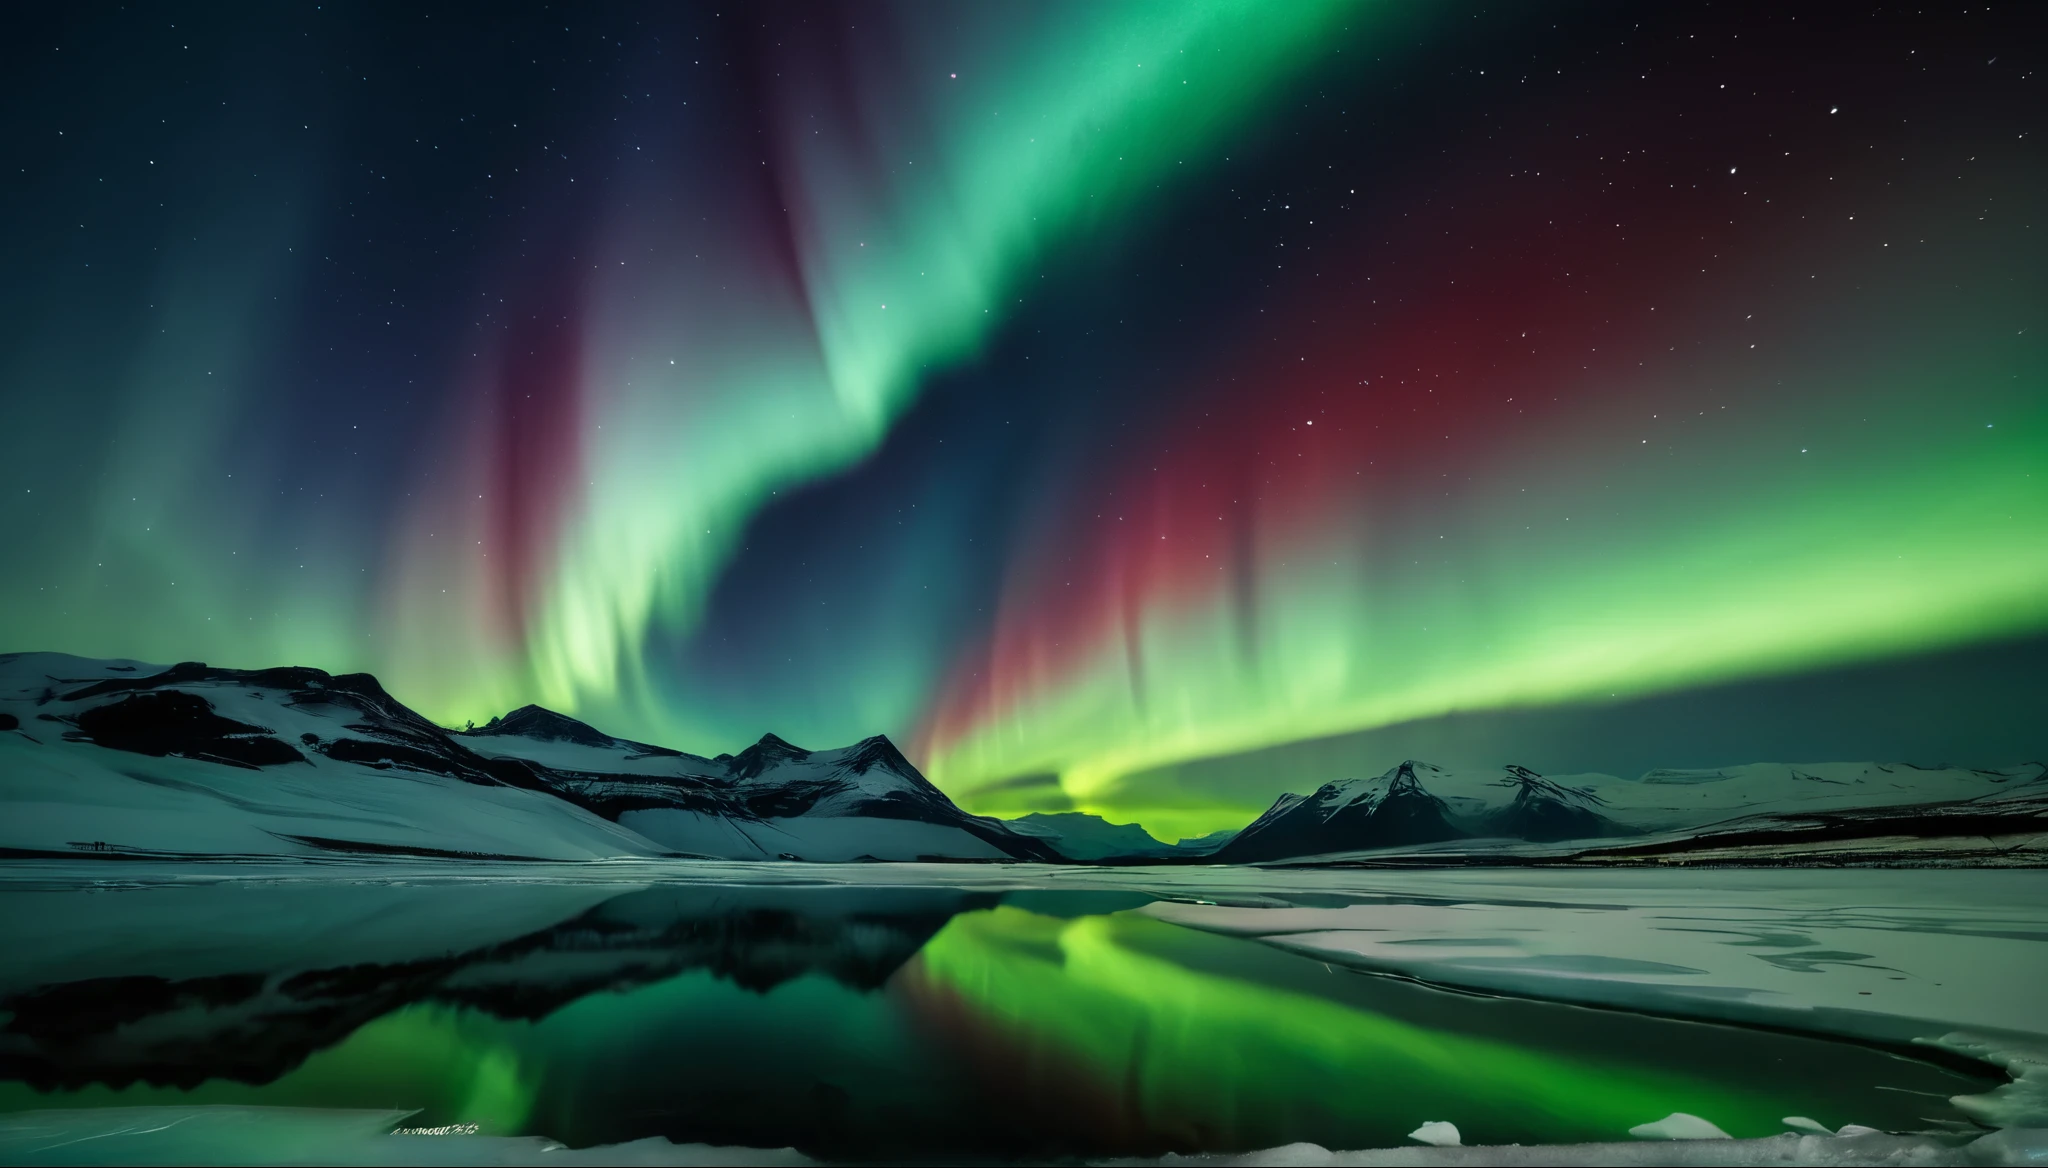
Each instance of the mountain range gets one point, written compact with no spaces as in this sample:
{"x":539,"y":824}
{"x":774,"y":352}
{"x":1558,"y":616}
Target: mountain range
{"x":123,"y":759}
{"x":116,"y":757}
{"x":1761,"y":813}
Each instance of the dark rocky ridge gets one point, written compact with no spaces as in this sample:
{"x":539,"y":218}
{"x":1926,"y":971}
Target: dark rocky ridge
{"x":172,"y":722}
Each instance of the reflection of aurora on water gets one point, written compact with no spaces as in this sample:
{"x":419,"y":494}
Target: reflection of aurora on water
{"x":1000,"y":1031}
{"x":1145,"y":1037}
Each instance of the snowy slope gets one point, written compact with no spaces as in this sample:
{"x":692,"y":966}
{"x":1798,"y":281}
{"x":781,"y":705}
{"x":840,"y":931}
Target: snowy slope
{"x":1666,"y":799}
{"x":118,"y":757}
{"x":1427,"y":809}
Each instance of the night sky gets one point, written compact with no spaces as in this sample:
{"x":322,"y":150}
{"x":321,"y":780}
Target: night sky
{"x":1139,"y":408}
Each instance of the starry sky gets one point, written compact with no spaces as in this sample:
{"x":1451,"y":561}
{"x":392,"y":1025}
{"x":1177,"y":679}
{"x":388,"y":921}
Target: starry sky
{"x":1142,"y":408}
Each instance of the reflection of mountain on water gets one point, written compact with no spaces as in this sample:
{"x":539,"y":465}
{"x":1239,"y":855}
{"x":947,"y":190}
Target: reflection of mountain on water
{"x":850,"y":1022}
{"x":756,"y":938}
{"x":253,"y":1025}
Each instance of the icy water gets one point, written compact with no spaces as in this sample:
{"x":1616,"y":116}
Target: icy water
{"x":879,"y":1014}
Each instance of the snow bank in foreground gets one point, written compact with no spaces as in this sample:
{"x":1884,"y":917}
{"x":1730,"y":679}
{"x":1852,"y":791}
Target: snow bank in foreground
{"x":265,"y":1135}
{"x":2021,"y":1103}
{"x":2001,"y":1148}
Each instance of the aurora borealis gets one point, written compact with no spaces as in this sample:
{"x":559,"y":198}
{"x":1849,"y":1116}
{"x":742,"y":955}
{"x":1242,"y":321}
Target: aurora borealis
{"x":1144,"y":408}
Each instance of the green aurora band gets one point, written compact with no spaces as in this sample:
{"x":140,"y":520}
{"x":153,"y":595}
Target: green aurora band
{"x":906,"y":257}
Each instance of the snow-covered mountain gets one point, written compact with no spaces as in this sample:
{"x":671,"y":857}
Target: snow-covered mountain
{"x":1427,"y":811}
{"x":864,"y":801}
{"x":123,"y":758}
{"x":1388,"y":811}
{"x":120,"y":757}
{"x":1203,"y":845}
{"x":1087,"y":839}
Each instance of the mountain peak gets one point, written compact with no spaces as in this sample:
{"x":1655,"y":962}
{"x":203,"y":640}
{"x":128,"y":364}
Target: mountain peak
{"x":1353,"y":814}
{"x":768,"y":752}
{"x":544,"y":725}
{"x":875,"y":751}
{"x":1411,"y":770}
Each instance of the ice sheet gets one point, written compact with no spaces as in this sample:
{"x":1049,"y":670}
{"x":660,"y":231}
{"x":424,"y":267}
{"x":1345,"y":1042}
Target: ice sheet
{"x":1887,"y":954}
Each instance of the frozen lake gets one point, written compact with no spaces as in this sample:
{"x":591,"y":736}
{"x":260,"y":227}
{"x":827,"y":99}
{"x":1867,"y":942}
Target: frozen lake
{"x":886,"y":1011}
